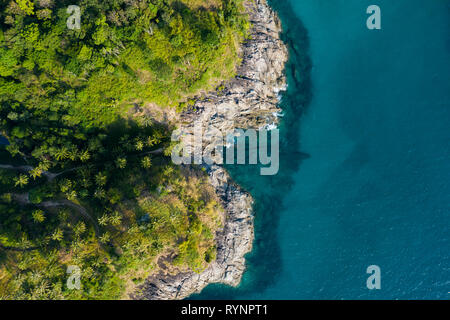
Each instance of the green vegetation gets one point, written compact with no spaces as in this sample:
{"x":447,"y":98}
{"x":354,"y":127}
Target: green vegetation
{"x":84,"y":182}
{"x":126,"y":52}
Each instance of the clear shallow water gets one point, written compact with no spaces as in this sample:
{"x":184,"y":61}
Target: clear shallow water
{"x":375,"y":186}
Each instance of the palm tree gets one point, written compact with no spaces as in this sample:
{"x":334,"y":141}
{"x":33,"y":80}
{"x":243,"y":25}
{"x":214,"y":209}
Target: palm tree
{"x":100,"y":179}
{"x":24,"y":243}
{"x":105,"y":237}
{"x":85,"y":182}
{"x":84,"y":155}
{"x":36,"y":172}
{"x":80,"y":228}
{"x":72,"y":195}
{"x":139,"y":145}
{"x":57,"y":235}
{"x":38,"y":216}
{"x":13,"y":149}
{"x":44,"y":165}
{"x":121,"y":163}
{"x":100,"y":193}
{"x":151,"y":141}
{"x":21,"y":181}
{"x":61,"y":154}
{"x":103,"y":220}
{"x":116,"y":219}
{"x":146,"y":162}
{"x":73,"y":153}
{"x":146,"y":121}
{"x":65,"y":185}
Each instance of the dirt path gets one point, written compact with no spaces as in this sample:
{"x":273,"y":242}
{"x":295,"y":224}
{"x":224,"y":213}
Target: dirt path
{"x":49,"y":175}
{"x":81,"y":210}
{"x":24,"y":199}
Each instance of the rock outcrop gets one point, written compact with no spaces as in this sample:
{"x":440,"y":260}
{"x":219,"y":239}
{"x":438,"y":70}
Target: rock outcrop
{"x":248,"y":101}
{"x":251,"y":99}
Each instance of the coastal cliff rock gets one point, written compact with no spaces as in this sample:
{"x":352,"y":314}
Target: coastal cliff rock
{"x":250,"y":100}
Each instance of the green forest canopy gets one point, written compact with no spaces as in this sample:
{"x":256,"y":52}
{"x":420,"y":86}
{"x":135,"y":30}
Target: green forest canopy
{"x":83,"y":184}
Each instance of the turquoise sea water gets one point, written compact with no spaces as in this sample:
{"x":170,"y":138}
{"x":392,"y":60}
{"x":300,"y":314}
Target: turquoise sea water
{"x":365,"y":158}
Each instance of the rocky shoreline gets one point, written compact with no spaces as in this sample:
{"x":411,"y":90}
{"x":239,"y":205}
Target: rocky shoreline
{"x":250,"y":100}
